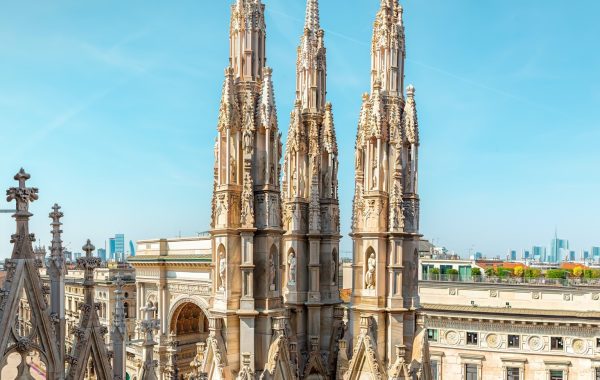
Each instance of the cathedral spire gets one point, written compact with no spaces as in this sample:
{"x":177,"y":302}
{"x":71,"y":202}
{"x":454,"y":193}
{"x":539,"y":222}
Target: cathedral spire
{"x":388,"y":49}
{"x":311,"y":67}
{"x":312,"y":16}
{"x":247,"y":38}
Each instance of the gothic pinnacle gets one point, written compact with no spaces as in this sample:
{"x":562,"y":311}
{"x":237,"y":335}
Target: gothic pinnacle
{"x":312,"y":16}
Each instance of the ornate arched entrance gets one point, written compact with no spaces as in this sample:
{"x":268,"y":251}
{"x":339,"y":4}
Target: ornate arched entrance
{"x":188,"y":325}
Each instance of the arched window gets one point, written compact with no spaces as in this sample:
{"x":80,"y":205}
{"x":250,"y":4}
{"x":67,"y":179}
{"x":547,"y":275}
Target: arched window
{"x":126,"y":309}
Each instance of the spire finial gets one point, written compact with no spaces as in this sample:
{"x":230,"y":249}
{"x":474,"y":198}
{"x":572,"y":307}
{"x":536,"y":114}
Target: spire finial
{"x":23,"y":195}
{"x":88,"y":248}
{"x":55,"y":215}
{"x":312,"y":16}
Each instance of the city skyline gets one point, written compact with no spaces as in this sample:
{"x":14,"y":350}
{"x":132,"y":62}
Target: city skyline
{"x":129,"y":137}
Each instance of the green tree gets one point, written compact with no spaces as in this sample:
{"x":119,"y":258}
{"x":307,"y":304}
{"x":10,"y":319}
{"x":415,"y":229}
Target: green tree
{"x":434,"y":271}
{"x":475,"y":272}
{"x":578,"y":271}
{"x":556,"y":273}
{"x":532,"y":273}
{"x":491,"y":272}
{"x":504,"y":272}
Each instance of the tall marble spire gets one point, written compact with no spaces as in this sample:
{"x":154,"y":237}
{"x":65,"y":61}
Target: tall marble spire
{"x":248,"y":39}
{"x":311,"y":210}
{"x":388,"y":50}
{"x":246,"y":206}
{"x":385,"y":220}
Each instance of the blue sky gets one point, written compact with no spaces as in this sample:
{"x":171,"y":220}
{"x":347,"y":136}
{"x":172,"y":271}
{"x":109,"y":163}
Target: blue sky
{"x":112,"y":107}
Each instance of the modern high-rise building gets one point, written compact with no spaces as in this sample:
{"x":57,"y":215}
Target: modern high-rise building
{"x":585,"y":254}
{"x":595,"y":253}
{"x":111,"y":248}
{"x":131,"y":248}
{"x":559,"y":249}
{"x":102,"y":254}
{"x":117,"y":247}
{"x":526,"y":254}
{"x":538,"y":253}
{"x":512,"y":256}
{"x":572,"y":256}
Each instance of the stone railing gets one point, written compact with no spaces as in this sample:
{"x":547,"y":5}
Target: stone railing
{"x":537,"y":281}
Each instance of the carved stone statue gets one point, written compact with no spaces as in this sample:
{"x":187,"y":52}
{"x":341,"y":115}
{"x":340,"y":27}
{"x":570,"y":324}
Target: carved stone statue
{"x":333,"y":268}
{"x":232,"y":168}
{"x":271,"y":272}
{"x":370,"y":275}
{"x":222,"y":270}
{"x":374,"y":180}
{"x":358,"y":159}
{"x":292,"y":262}
{"x":294,"y":188}
{"x":248,"y":142}
{"x":301,"y":186}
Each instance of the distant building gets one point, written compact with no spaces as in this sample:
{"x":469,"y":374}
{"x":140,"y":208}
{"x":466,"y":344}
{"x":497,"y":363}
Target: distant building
{"x":538,"y":253}
{"x":526,"y":254}
{"x":512,"y":255}
{"x":572,"y":256}
{"x":131,"y":249}
{"x":559,"y":248}
{"x":595,"y":252}
{"x":585,"y":255}
{"x":117,"y":247}
{"x":478,"y":256}
{"x":111,"y":248}
{"x":102,"y":254}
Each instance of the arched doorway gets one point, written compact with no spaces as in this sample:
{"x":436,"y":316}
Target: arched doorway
{"x":188,"y":326}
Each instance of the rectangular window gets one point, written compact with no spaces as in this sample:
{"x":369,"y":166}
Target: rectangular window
{"x":513,"y":373}
{"x":597,"y":373}
{"x":470,"y":372}
{"x":513,"y":341}
{"x":597,"y":342}
{"x":432,"y":335}
{"x":434,"y":370}
{"x":556,"y":375}
{"x":472,"y":338}
{"x":556,"y":343}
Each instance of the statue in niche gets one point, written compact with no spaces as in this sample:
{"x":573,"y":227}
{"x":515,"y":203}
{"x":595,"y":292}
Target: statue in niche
{"x":333,"y":268}
{"x":216,"y":150}
{"x":385,"y":172}
{"x":222,"y":270}
{"x":294,"y":188}
{"x":292,"y":262}
{"x":358,"y":159}
{"x":272,"y":175}
{"x":262,"y":168}
{"x":232,"y":172}
{"x":301,"y":186}
{"x":374,"y":179}
{"x":271,"y":272}
{"x":248,"y":142}
{"x":370,"y":275}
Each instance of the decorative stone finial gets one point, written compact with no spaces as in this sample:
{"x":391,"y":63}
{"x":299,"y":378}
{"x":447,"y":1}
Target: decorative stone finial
{"x":22,"y":195}
{"x":410,"y":91}
{"x":88,"y":248}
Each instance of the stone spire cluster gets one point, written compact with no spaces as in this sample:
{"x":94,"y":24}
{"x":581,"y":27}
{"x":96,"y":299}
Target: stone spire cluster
{"x":385,"y":220}
{"x":89,"y":334}
{"x":57,"y":272}
{"x":311,"y":209}
{"x":246,"y":211}
{"x":23,"y":278}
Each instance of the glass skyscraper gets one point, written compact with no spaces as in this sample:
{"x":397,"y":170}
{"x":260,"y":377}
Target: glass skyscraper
{"x":559,"y":250}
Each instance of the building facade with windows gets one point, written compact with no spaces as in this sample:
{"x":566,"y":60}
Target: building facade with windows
{"x":480,"y":331}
